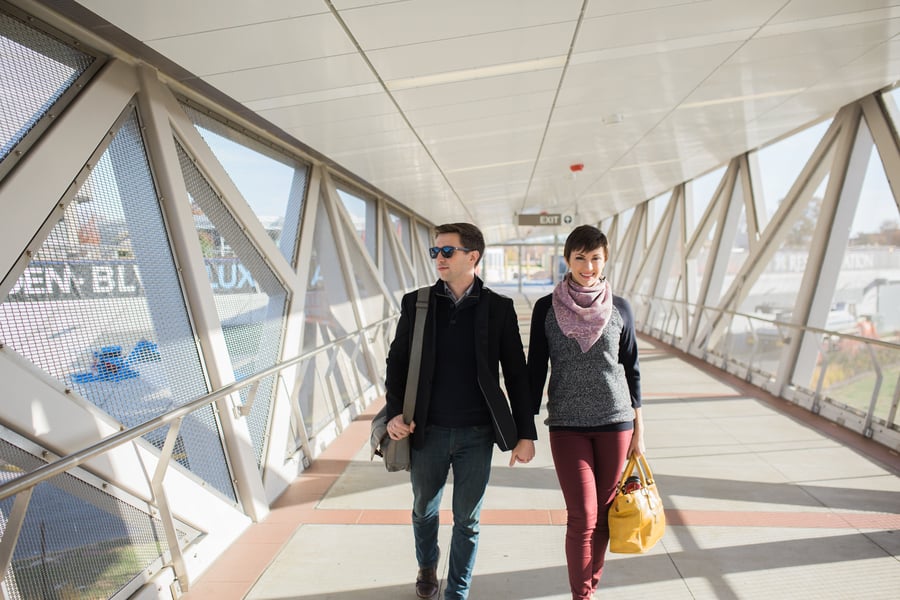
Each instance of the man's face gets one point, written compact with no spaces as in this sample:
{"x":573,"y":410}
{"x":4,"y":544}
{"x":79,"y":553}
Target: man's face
{"x":458,"y":268}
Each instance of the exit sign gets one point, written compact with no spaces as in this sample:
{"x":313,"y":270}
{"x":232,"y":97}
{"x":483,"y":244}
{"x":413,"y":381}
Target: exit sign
{"x":543,"y":219}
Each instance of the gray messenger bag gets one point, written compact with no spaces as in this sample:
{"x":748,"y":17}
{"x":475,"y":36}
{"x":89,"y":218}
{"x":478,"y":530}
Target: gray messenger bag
{"x":396,"y":452}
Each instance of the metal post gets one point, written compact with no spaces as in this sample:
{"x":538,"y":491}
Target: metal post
{"x":519,"y":247}
{"x":12,"y":530}
{"x":870,"y":415}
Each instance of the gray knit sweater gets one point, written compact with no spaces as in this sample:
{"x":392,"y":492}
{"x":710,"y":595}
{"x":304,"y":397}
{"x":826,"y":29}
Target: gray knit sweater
{"x":597,"y":388}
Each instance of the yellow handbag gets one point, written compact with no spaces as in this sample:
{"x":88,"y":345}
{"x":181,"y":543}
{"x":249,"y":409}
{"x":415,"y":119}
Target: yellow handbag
{"x":636,"y":518}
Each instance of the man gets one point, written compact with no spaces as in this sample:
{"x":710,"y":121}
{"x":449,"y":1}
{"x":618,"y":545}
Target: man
{"x":461,"y":411}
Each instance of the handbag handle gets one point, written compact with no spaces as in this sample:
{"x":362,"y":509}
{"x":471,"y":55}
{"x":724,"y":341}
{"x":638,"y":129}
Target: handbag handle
{"x":644,"y":472}
{"x":415,"y":354}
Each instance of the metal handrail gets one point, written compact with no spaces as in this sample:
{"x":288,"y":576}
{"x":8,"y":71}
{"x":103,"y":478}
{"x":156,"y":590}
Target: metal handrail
{"x":22,"y":487}
{"x":867,"y":342}
{"x":797,"y":326}
{"x":75,"y":459}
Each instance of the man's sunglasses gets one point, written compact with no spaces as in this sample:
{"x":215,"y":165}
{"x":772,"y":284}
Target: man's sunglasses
{"x":446,"y":251}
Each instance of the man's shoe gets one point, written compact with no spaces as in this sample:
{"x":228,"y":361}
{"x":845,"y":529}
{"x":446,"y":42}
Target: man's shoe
{"x":427,"y":583}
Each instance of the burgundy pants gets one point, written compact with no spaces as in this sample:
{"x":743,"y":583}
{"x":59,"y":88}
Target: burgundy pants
{"x":588,"y":466}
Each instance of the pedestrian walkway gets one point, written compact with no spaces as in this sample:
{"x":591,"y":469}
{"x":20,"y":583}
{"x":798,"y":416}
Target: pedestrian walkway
{"x":763,"y":500}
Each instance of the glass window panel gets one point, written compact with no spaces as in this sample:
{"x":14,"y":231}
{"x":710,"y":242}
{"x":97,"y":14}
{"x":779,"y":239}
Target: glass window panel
{"x":605,"y":225}
{"x":35,"y":71}
{"x":866,"y":301}
{"x":614,"y":270}
{"x":673,"y":276}
{"x":392,"y":278}
{"x":372,"y":299}
{"x":329,"y":316}
{"x":624,"y":223}
{"x":362,"y":214}
{"x":100,"y":307}
{"x":375,"y":306}
{"x":328,"y":304}
{"x":755,"y":341}
{"x":424,"y":265}
{"x":400,"y":227}
{"x":492,"y":268}
{"x":702,"y":190}
{"x":776,"y":289}
{"x":892,"y":103}
{"x":314,"y":398}
{"x":780,"y":165}
{"x":741,"y":248}
{"x":655,"y":209}
{"x":272,"y":184}
{"x":647,"y":282}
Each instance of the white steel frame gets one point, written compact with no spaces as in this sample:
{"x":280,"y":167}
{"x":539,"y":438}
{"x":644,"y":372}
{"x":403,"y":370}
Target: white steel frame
{"x":57,"y":159}
{"x":842,"y":155}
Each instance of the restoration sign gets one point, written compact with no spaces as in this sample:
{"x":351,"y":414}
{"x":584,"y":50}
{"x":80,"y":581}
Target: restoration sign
{"x":91,"y":279}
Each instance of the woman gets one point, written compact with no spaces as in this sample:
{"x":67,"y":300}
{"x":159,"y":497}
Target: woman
{"x":594,"y":397}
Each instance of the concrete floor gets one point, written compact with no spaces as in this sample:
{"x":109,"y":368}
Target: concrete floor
{"x":763,"y":500}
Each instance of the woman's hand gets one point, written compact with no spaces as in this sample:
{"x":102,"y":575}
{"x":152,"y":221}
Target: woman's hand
{"x":523,"y":452}
{"x":637,"y":447}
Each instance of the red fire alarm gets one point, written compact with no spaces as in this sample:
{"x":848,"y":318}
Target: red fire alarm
{"x":576,"y":167}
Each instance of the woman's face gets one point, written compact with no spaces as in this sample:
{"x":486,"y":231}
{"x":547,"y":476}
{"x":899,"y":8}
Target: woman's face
{"x":586,"y":266}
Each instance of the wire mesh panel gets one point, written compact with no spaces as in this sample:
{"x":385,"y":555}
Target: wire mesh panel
{"x":35,"y":70}
{"x":250,"y":301}
{"x":100,"y":308}
{"x":274,"y":185}
{"x":78,"y":541}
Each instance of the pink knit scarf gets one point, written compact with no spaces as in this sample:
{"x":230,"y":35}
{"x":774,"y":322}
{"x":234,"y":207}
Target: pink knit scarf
{"x":582,"y":312}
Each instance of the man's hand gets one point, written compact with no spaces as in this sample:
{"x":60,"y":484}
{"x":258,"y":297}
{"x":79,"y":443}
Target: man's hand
{"x":398,"y":430}
{"x":523,"y":452}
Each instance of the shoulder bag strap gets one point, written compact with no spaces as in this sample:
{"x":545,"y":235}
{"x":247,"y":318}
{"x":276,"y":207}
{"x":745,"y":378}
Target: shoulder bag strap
{"x":415,"y":355}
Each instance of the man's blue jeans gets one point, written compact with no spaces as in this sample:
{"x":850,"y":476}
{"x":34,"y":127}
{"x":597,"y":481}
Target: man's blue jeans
{"x":468,"y":451}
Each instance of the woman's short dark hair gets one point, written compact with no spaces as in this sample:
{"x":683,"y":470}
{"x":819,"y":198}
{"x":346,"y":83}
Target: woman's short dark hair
{"x":586,"y":238}
{"x":469,"y":236}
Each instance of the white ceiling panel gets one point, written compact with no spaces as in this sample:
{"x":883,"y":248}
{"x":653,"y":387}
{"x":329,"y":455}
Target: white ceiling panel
{"x":476,"y":109}
{"x":671,"y":66}
{"x":483,"y":88}
{"x":809,"y":10}
{"x":385,"y":128}
{"x":678,"y":21}
{"x":313,"y":97}
{"x":476,"y":129}
{"x":328,"y":111}
{"x":172,"y":18}
{"x":470,"y":57}
{"x":256,"y":45}
{"x":482,"y":109}
{"x":296,"y":79}
{"x":612,"y":7}
{"x":405,"y":23}
{"x":491,"y":152}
